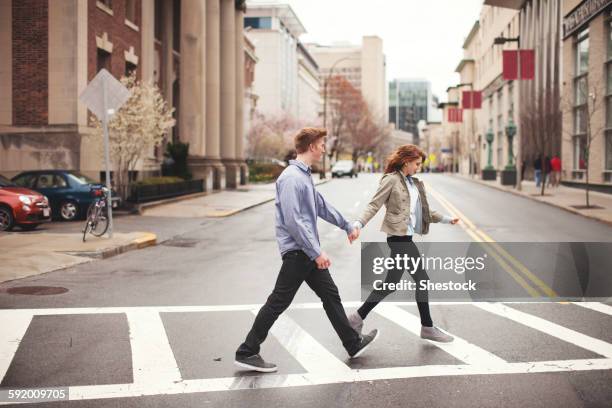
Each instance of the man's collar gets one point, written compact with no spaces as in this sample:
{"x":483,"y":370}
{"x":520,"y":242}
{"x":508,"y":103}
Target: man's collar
{"x":303,"y":166}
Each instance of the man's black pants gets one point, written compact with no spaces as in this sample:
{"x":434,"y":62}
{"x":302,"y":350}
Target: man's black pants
{"x":297,"y":268}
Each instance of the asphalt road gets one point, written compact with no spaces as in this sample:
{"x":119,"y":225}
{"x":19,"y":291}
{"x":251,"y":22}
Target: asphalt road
{"x":158,"y":327}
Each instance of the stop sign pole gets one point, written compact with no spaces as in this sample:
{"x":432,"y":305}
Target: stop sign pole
{"x":109,"y":200}
{"x":104,"y":96}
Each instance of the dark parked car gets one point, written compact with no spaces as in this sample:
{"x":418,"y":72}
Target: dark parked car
{"x":70,"y":193}
{"x":21,"y":206}
{"x":344,"y":168}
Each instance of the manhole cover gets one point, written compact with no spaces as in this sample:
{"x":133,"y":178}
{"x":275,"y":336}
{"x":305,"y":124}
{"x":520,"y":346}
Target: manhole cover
{"x":181,"y":243}
{"x":37,"y":290}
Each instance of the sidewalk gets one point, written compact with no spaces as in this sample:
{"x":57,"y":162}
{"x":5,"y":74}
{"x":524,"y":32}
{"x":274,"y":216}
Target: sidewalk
{"x":60,"y":245}
{"x":218,"y":204}
{"x":560,"y":197}
{"x":27,"y":254}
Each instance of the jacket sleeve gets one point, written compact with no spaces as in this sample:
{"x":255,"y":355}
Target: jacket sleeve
{"x":300,"y":229}
{"x":380,"y":197}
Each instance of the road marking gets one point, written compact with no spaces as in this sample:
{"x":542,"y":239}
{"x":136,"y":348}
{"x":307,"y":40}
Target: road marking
{"x":156,"y":372}
{"x":14,"y":324}
{"x":311,"y":355}
{"x":152,"y":357}
{"x":599,"y":307}
{"x":552,"y":329}
{"x":541,"y":285}
{"x":206,"y":308}
{"x":460,"y":349}
{"x":268,"y":381}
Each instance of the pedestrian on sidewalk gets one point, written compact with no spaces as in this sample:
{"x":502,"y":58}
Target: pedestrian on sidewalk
{"x":555,"y":165}
{"x":298,"y":205}
{"x":404,"y":197}
{"x":537,"y":170}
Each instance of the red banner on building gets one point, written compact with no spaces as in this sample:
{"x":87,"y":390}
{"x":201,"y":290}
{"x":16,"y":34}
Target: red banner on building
{"x":455,"y":115}
{"x":527,"y":64}
{"x":511,"y":62}
{"x":472,"y":100}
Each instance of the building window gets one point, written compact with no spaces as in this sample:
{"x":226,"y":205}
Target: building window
{"x":580,"y":102}
{"x":104,"y":60}
{"x":582,"y":52}
{"x":130,"y":68}
{"x":130,"y":10}
{"x":258,"y":22}
{"x":579,"y":143}
{"x":107,"y":3}
{"x":510,"y":100}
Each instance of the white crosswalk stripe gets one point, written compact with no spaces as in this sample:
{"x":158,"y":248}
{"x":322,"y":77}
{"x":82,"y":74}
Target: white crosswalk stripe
{"x":552,"y":329}
{"x":156,"y":372}
{"x":459,"y":348}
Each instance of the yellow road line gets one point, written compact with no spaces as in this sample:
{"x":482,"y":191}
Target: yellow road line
{"x":472,"y":230}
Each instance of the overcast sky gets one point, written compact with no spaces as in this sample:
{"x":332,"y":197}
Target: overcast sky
{"x":421,"y":38}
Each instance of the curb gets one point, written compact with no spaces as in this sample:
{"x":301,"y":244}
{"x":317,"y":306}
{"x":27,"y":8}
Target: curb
{"x":148,"y":239}
{"x":562,"y":207}
{"x":140,"y":208}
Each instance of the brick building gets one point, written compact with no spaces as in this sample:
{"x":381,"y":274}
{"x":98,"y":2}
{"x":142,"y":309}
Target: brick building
{"x":194,"y":50}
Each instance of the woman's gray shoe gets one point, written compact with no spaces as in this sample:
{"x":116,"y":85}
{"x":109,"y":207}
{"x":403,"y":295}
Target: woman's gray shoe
{"x":255,"y":363}
{"x":356,"y":322}
{"x":365,"y":343}
{"x":435,"y":334}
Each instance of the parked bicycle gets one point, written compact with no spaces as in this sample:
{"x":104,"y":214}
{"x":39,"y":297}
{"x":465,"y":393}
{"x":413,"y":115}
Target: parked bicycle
{"x":97,"y":214}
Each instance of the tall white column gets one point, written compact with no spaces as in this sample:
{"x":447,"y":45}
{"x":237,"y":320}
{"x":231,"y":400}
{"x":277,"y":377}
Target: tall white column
{"x":242,"y":169}
{"x":213,"y":93}
{"x":147,"y":45}
{"x":167,"y":58}
{"x":193,"y":76}
{"x":228,"y":91}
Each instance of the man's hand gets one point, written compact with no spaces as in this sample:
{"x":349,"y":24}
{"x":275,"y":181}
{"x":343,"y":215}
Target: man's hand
{"x":454,"y":221}
{"x":323,"y":261}
{"x":354,"y":234}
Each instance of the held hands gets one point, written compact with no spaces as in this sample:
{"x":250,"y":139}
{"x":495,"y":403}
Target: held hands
{"x":354,"y":234}
{"x":323,"y":261}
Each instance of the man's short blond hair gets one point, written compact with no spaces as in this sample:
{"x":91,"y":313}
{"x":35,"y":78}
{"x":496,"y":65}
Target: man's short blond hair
{"x":308,"y":136}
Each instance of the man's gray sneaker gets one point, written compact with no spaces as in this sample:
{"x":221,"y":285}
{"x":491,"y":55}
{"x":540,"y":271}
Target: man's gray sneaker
{"x":255,"y":363}
{"x":356,"y":322}
{"x":365,"y":343}
{"x":435,"y":334}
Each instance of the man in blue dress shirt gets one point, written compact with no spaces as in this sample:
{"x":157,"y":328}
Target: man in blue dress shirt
{"x":298,"y":205}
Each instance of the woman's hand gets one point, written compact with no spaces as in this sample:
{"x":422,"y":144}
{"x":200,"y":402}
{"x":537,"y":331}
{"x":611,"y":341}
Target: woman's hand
{"x":454,"y":221}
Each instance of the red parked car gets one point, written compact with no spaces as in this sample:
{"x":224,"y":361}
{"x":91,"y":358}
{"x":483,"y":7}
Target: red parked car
{"x":21,"y":206}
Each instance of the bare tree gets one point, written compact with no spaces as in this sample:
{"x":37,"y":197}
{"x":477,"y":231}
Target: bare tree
{"x":271,"y":137}
{"x":136,"y":128}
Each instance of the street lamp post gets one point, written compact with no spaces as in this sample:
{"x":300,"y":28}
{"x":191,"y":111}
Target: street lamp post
{"x":322,"y":174}
{"x":489,"y":173}
{"x":509,"y":173}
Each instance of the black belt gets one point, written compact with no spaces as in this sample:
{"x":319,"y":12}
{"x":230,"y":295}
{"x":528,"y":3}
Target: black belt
{"x":293,"y":253}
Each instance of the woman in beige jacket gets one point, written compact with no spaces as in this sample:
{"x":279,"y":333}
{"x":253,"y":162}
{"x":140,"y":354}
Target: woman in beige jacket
{"x":407,"y":213}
